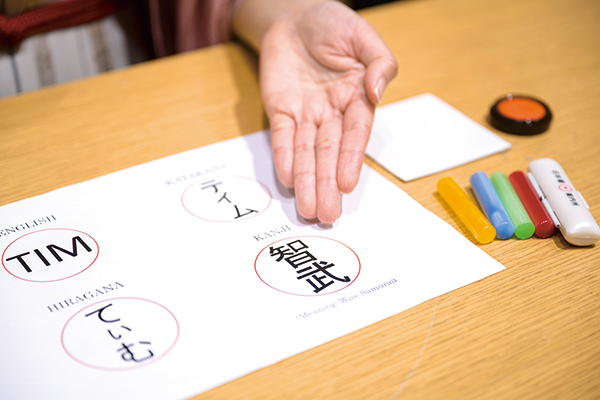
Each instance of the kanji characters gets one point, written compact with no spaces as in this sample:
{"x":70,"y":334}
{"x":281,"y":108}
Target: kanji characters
{"x":316,"y":273}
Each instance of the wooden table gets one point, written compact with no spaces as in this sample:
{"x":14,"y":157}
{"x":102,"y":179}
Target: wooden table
{"x":532,"y":331}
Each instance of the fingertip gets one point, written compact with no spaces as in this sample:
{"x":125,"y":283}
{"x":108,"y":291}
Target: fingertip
{"x":347,"y":183}
{"x":328,"y":218}
{"x":306,"y":211}
{"x":349,"y":168}
{"x":329,"y":214}
{"x":378,"y":90}
{"x":328,"y":202}
{"x":379,"y":74}
{"x":306,"y":202}
{"x":286,"y":179}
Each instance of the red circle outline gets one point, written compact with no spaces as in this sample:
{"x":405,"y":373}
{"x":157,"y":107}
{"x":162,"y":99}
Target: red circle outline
{"x":227,"y":222}
{"x":62,"y":337}
{"x":50,"y":229}
{"x":309,"y":295}
{"x":569,"y":188}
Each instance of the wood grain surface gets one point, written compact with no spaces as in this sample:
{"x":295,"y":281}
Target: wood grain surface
{"x":529,"y":332}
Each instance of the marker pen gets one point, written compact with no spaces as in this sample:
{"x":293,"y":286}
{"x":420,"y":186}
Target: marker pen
{"x":563,"y":202}
{"x":523,"y":226}
{"x":466,"y":210}
{"x":544,"y":226}
{"x":491,"y":204}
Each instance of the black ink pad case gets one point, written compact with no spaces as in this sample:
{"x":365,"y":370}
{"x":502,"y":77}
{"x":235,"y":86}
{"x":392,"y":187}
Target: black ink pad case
{"x":520,"y":115}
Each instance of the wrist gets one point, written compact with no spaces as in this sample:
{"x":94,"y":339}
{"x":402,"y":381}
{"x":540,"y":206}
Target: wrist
{"x":253,"y":18}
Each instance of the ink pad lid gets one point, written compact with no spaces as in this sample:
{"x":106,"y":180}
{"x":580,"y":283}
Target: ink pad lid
{"x":521,"y":115}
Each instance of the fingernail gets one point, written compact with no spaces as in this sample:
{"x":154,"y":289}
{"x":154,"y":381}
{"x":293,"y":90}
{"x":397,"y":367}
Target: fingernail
{"x":379,"y":88}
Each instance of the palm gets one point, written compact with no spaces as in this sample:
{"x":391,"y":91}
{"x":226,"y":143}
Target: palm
{"x":313,"y":87}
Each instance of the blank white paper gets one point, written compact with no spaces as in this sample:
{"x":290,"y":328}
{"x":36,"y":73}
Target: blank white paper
{"x":423,"y":135}
{"x":173,"y":277}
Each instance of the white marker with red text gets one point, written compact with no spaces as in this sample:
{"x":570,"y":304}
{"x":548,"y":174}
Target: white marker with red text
{"x":566,"y":205}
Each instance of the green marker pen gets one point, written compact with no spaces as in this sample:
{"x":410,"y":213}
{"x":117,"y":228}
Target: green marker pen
{"x":524,"y":228}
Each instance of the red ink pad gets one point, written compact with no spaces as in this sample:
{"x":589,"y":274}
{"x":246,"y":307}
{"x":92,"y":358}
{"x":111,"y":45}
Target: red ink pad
{"x":521,"y":115}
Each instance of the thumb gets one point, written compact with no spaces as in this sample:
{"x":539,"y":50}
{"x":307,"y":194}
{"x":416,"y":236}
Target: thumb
{"x":381,"y":64}
{"x":377,"y":77}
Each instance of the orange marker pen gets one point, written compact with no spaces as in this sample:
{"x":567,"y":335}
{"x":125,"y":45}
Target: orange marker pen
{"x":466,"y":210}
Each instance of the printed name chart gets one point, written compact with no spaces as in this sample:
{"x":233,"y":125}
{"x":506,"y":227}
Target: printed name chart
{"x":173,"y":277}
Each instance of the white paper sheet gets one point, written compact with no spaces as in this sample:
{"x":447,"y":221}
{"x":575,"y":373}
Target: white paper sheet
{"x":422,"y":135}
{"x":187,"y":272}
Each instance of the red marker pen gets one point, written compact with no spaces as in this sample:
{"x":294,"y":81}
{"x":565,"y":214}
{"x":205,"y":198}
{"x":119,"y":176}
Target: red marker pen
{"x":544,"y":226}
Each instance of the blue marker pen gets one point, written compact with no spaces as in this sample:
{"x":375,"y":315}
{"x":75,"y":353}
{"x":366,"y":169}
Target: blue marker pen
{"x":492,"y":206}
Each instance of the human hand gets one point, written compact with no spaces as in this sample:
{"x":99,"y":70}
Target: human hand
{"x":322,"y":71}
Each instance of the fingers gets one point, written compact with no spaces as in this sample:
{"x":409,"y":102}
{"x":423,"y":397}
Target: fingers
{"x":304,"y":170}
{"x":283,"y":129}
{"x":327,"y":149}
{"x":358,"y":120}
{"x":306,"y":158}
{"x":381,"y":64}
{"x":319,"y":162}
